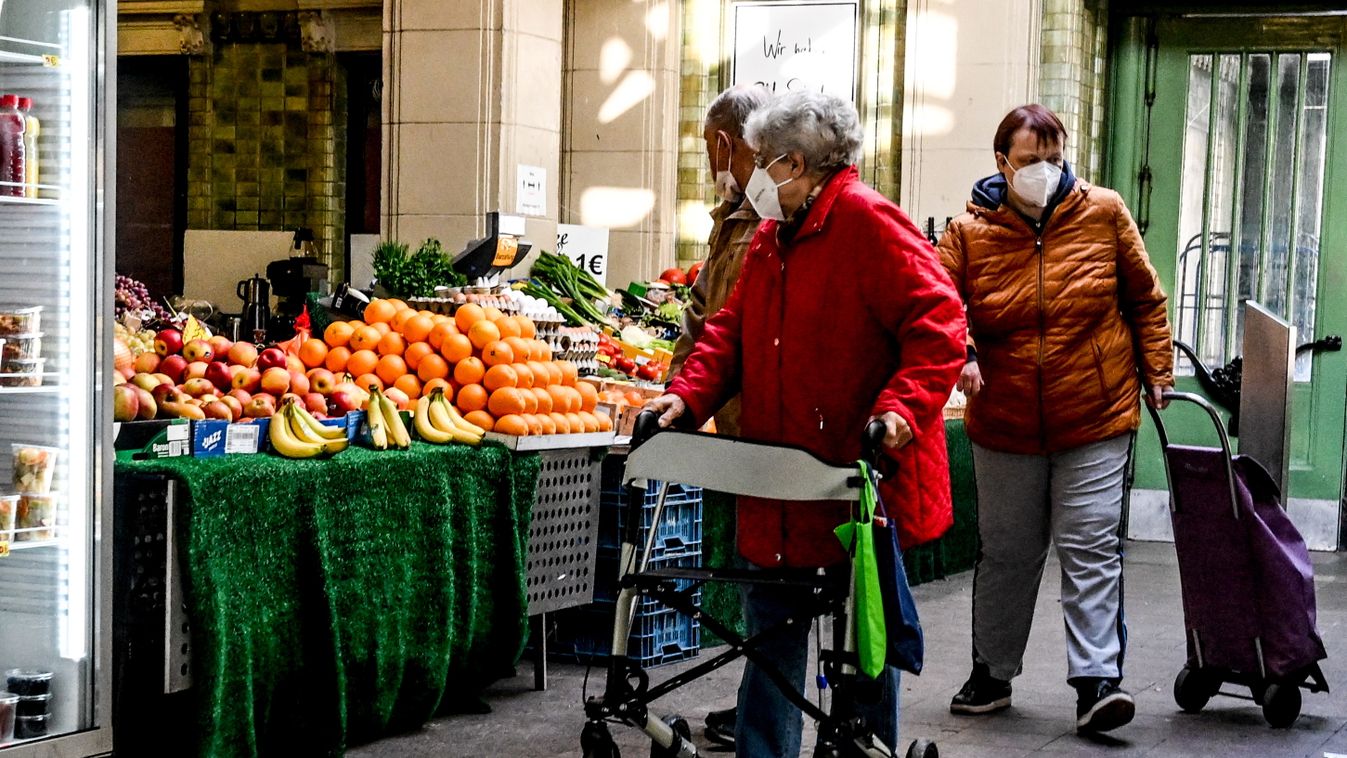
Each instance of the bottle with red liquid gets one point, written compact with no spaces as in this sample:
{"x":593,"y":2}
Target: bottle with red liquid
{"x":13,"y":169}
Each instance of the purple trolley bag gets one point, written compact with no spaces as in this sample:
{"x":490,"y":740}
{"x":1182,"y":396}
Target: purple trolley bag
{"x":1246,"y":578}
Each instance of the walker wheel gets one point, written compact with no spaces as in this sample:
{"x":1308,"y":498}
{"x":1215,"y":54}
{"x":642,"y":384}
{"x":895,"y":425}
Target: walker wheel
{"x":922,"y":749}
{"x":596,"y":742}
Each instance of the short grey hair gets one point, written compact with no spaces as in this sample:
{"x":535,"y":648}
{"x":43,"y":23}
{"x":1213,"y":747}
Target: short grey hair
{"x":731,"y":108}
{"x":825,"y":128}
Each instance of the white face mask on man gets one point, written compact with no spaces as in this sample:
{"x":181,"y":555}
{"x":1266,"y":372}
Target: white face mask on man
{"x":727,"y":187}
{"x":1036,"y":183}
{"x":765,"y":194}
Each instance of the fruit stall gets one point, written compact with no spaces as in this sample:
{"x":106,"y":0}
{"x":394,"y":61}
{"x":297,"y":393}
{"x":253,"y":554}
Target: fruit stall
{"x":309,"y":489}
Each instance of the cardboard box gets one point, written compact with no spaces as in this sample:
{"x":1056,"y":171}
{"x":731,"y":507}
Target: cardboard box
{"x":145,"y":440}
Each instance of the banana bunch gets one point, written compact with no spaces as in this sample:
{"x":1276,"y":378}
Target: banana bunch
{"x":385,"y":425}
{"x":296,"y":434}
{"x":438,"y":421}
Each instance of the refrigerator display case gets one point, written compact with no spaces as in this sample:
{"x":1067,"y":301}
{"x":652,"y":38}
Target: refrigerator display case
{"x":55,"y":378}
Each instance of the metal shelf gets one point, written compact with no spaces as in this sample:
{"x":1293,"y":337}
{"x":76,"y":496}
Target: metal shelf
{"x":9,"y":200}
{"x":41,"y":390}
{"x":9,"y":55}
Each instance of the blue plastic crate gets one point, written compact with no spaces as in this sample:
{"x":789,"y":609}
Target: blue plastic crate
{"x":660,"y":637}
{"x":606,"y":566}
{"x":681,"y":518}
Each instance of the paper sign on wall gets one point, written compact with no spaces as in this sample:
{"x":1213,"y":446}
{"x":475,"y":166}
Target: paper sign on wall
{"x":531,"y":198}
{"x":796,"y":45}
{"x":587,"y":247}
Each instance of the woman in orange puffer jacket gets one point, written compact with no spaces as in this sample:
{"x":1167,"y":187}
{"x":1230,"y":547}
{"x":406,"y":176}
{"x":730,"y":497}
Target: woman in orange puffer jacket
{"x":1067,"y":327}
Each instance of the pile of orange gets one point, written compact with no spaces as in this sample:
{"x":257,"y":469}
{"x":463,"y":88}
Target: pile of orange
{"x":492,"y":366}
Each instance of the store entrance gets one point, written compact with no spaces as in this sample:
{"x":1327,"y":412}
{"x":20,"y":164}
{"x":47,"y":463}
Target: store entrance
{"x":1228,"y":171}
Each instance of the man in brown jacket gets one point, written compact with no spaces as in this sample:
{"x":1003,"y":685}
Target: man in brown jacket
{"x":731,"y":162}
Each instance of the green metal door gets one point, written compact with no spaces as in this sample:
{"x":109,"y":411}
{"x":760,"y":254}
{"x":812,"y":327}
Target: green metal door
{"x":1228,"y":139}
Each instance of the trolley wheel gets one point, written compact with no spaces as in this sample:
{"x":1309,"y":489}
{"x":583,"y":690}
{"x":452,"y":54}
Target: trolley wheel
{"x":1281,"y":705}
{"x":680,"y":727}
{"x":1193,"y":689}
{"x":922,"y":749}
{"x":596,"y":742}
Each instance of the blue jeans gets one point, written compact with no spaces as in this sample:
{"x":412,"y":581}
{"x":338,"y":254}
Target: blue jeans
{"x":767,"y":725}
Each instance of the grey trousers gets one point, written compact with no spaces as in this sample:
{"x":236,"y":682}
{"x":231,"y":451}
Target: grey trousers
{"x":1073,"y":500}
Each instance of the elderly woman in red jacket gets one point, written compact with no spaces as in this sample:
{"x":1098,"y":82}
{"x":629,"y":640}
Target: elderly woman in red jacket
{"x":843,"y":314}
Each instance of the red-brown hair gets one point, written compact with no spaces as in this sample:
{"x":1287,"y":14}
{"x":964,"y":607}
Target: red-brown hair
{"x":1040,"y":121}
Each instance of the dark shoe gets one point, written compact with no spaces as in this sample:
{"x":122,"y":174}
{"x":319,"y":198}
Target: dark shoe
{"x":981,"y":694}
{"x":1102,"y":706}
{"x":720,"y":726}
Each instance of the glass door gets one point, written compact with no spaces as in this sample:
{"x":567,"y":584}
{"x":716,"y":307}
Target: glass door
{"x":54,"y":451}
{"x":1240,"y":163}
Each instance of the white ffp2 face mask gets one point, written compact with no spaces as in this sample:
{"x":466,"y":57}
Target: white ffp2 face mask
{"x":727,"y":187}
{"x":765,"y":194}
{"x":1036,"y":183}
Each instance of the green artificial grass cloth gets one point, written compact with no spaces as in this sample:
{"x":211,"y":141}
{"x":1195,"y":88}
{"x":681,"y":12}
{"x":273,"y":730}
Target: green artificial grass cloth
{"x":335,"y":601}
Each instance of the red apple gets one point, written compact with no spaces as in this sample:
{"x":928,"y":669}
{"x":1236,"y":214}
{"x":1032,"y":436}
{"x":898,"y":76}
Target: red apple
{"x":198,"y":387}
{"x":174,"y":367}
{"x":148,"y":406}
{"x":272,"y":357}
{"x":147,"y":363}
{"x":196,"y":370}
{"x":243,"y":354}
{"x":241,"y":395}
{"x":125,"y":403}
{"x":315,"y":403}
{"x":291,"y":397}
{"x":198,"y":350}
{"x":345,"y":401}
{"x":299,"y":383}
{"x":260,"y":407}
{"x":168,"y":342}
{"x":293,"y":363}
{"x":235,"y":407}
{"x":220,"y":345}
{"x":218,"y":374}
{"x":167,"y":393}
{"x":276,"y":380}
{"x":126,"y":372}
{"x":321,"y":381}
{"x":218,"y":410}
{"x":249,"y":379}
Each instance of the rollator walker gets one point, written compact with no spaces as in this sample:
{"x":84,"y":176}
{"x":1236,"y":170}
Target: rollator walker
{"x":742,"y":468}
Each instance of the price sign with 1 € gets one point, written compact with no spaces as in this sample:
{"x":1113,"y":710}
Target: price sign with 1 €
{"x":587,"y":247}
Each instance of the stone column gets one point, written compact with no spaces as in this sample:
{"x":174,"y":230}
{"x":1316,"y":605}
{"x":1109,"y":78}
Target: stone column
{"x":1075,"y":50}
{"x":620,"y":148}
{"x":472,"y":90}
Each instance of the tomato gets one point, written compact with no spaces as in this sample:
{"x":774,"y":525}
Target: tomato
{"x":694,"y":271}
{"x":649,"y":372}
{"x":625,"y":365}
{"x":674,"y":276}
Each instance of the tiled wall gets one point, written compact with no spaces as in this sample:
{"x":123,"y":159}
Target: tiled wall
{"x":267,"y":143}
{"x":1074,"y":51}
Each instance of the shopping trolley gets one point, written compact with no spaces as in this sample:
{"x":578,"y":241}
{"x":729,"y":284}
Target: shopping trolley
{"x":738,"y":467}
{"x":1246,"y":579}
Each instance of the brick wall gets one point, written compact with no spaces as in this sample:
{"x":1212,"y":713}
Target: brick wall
{"x":266,"y":143}
{"x":1072,"y":77}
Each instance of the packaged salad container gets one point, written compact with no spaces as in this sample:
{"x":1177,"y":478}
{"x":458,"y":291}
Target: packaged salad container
{"x":20,"y":320}
{"x":34,"y":468}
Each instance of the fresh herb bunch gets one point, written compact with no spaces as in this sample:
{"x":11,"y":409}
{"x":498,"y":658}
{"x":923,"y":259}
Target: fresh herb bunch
{"x":417,"y":274}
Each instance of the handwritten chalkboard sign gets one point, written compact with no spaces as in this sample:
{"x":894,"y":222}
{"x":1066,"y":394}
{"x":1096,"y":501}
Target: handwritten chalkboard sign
{"x":792,"y":45}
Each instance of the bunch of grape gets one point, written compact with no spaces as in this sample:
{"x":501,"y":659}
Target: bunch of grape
{"x":133,"y":297}
{"x":139,"y":341}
